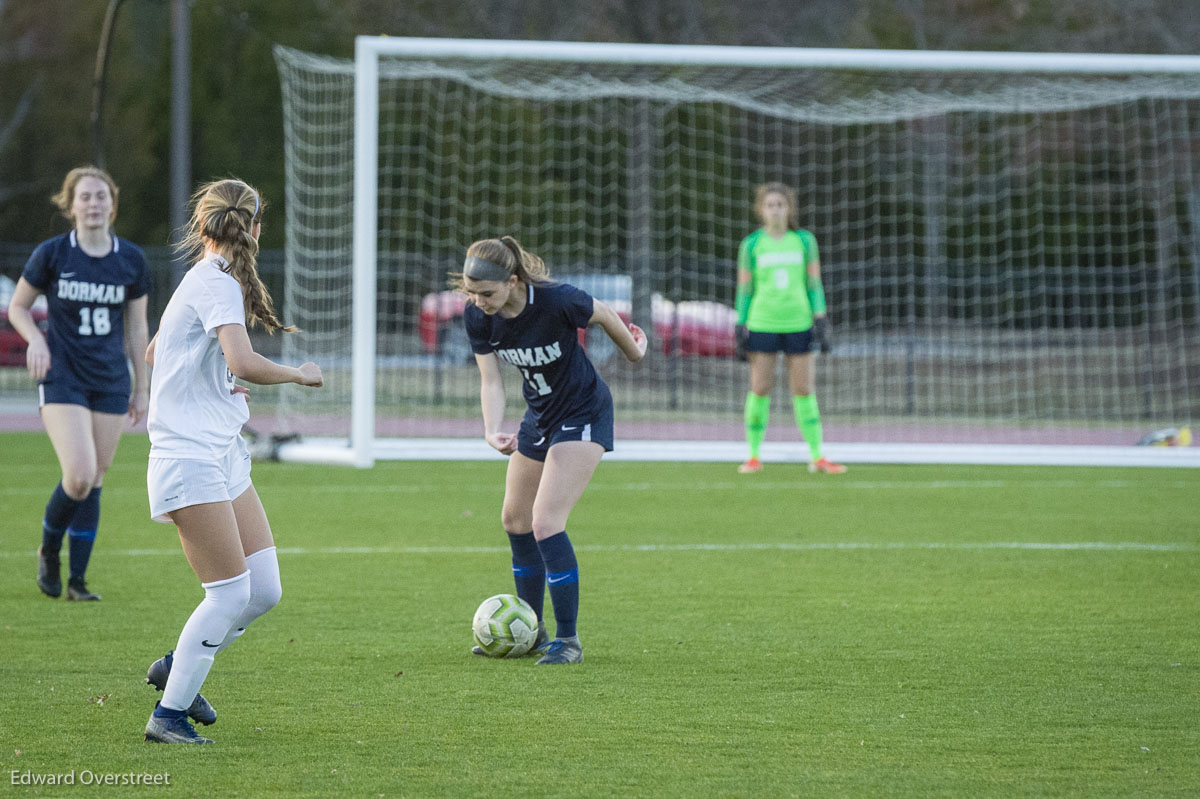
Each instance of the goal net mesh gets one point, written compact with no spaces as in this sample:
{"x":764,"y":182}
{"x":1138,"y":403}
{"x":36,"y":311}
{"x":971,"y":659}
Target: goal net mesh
{"x":1007,"y":257}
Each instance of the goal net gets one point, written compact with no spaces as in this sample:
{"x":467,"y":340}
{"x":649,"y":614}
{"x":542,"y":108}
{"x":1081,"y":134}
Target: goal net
{"x":1008,"y":242}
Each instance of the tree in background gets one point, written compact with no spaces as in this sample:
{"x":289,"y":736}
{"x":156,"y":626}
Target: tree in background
{"x":1072,"y":26}
{"x":48,"y":51}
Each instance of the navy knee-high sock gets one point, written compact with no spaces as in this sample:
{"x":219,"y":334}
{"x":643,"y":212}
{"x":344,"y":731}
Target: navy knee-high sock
{"x":529,"y":573}
{"x":82,"y":532}
{"x":562,"y":576}
{"x":59,"y":511}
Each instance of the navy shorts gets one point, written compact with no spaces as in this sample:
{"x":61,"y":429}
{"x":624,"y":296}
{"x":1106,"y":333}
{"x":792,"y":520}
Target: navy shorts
{"x":595,"y":425}
{"x":787,"y":343}
{"x":50,"y":392}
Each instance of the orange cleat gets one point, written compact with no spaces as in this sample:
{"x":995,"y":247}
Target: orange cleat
{"x":750,"y":467}
{"x":826,"y":466}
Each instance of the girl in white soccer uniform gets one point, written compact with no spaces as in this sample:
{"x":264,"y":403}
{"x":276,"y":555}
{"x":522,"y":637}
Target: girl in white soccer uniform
{"x":199,"y":473}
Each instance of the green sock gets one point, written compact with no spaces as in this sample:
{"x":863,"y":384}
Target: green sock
{"x":758,"y":411}
{"x":808,"y":419}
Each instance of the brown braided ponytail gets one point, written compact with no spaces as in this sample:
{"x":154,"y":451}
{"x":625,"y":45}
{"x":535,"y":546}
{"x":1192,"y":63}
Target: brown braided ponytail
{"x":223,"y":219}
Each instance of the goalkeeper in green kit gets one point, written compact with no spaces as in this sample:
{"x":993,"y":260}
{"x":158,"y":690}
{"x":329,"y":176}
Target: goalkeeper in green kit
{"x":781,"y":308}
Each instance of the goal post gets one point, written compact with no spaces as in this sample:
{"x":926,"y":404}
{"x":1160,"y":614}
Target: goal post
{"x":1009,"y":240}
{"x":366,"y":229}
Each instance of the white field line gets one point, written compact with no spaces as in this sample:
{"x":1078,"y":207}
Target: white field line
{"x":748,"y":484}
{"x":1060,"y":546}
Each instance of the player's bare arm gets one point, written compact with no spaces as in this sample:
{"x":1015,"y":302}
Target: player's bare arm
{"x":248,"y":365}
{"x":37,"y":353}
{"x":631,"y":340}
{"x":492,"y":402}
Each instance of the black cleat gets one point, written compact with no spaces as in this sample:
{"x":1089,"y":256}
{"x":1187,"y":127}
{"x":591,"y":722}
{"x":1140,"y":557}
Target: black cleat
{"x":77,"y":591}
{"x":49,"y":577}
{"x":200,"y":710}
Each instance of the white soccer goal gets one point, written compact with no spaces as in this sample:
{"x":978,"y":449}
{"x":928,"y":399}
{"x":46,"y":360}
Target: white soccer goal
{"x":1009,"y":242}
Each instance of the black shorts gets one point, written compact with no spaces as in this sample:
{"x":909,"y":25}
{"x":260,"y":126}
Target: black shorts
{"x":595,"y":425}
{"x":59,"y":392}
{"x":787,"y":343}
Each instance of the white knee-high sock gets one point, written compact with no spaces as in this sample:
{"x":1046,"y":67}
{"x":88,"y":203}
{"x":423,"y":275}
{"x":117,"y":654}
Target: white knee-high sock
{"x":265,"y":592}
{"x":224,"y":601}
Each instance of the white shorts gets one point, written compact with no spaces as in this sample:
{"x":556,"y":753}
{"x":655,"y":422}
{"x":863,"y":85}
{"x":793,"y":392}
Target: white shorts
{"x":175,"y":483}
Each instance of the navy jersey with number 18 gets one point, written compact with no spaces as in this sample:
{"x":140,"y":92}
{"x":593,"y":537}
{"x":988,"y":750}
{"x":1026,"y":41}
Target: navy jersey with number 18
{"x":86,"y":299}
{"x":558,"y":380}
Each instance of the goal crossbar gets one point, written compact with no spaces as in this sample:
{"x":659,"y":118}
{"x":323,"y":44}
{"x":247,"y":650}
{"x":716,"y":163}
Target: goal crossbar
{"x":777,"y":57}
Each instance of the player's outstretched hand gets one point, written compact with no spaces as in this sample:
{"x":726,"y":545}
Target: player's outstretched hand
{"x":310,"y":375}
{"x":639,"y":341}
{"x":505,"y":443}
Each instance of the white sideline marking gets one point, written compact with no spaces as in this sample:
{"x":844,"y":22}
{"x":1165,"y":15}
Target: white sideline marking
{"x":745,"y":483}
{"x":1076,"y":546}
{"x":334,"y":450}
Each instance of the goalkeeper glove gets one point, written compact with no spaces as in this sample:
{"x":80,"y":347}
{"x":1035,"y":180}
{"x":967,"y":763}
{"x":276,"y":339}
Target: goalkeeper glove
{"x":740,"y":336}
{"x":820,"y":335}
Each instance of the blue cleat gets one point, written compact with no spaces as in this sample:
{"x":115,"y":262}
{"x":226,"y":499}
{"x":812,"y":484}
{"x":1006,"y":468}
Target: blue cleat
{"x":200,"y":710}
{"x":542,"y":639}
{"x":561,"y":650}
{"x":161,"y":730}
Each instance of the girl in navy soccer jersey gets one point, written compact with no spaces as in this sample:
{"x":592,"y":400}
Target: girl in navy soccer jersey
{"x":518,"y":315}
{"x":96,"y":287}
{"x":199,"y":472}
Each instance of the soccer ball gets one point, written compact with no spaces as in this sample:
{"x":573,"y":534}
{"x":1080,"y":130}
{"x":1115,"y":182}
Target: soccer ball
{"x":505,"y":626}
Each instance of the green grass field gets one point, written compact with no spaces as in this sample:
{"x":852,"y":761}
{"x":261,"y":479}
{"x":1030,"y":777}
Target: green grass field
{"x":896,"y":631}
